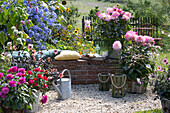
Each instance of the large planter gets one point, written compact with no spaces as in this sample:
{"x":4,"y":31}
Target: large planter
{"x":118,"y":85}
{"x":35,"y":104}
{"x":165,"y":105}
{"x":133,"y":87}
{"x":104,"y":81}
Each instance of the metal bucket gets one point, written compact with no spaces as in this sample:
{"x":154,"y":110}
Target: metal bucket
{"x":63,"y":86}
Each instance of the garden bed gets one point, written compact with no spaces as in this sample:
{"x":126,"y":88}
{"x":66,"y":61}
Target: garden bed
{"x":86,"y":71}
{"x":88,"y":99}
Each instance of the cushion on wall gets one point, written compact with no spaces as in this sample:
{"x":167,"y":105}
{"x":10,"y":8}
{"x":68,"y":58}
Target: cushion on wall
{"x":68,"y":55}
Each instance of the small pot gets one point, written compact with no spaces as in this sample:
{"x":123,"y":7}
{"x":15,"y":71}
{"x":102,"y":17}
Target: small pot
{"x":165,"y":105}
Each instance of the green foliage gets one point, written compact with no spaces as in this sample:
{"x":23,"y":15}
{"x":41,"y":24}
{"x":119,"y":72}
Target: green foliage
{"x":159,"y":11}
{"x":150,"y":111}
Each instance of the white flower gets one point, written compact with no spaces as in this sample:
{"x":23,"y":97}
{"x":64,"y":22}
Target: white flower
{"x":15,"y":31}
{"x":13,"y":28}
{"x":9,"y":43}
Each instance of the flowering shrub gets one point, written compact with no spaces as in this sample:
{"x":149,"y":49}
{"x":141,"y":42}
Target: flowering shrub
{"x":15,"y":92}
{"x":160,"y":80}
{"x":136,"y":58}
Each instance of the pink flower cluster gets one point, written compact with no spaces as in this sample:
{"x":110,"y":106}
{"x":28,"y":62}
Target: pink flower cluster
{"x":44,"y":99}
{"x":113,"y":14}
{"x":144,"y":40}
{"x":117,"y":46}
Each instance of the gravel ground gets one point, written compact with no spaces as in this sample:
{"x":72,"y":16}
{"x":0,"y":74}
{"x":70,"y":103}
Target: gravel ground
{"x":88,"y":99}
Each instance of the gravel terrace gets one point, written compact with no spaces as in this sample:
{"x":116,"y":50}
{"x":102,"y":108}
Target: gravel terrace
{"x":88,"y":99}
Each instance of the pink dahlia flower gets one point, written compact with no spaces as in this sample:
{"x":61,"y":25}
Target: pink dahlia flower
{"x":128,"y":14}
{"x":18,"y":74}
{"x":102,"y":16}
{"x":125,"y":17}
{"x":140,"y":39}
{"x":98,"y":13}
{"x":117,"y":46}
{"x":130,"y":35}
{"x":109,"y":10}
{"x":22,"y":80}
{"x":9,"y":77}
{"x":21,"y":70}
{"x":159,"y":68}
{"x":107,"y":18}
{"x":5,"y":90}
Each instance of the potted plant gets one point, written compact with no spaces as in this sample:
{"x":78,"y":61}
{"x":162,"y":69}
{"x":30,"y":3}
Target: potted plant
{"x":160,"y":81}
{"x":112,"y":26}
{"x":136,"y":61}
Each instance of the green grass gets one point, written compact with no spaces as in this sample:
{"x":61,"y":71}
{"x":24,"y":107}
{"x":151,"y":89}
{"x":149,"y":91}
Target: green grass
{"x":150,"y":111}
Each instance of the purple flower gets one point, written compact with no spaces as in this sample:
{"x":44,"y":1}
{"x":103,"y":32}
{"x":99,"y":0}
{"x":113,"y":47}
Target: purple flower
{"x":5,"y":90}
{"x":18,"y":74}
{"x":9,"y":77}
{"x":9,"y":71}
{"x":159,"y":68}
{"x":22,"y":80}
{"x":1,"y":75}
{"x":14,"y":69}
{"x":3,"y":95}
{"x":44,"y":99}
{"x":165,"y":61}
{"x":12,"y":83}
{"x":21,"y":70}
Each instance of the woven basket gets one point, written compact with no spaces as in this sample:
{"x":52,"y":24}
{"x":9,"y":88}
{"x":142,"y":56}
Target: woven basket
{"x":104,"y":81}
{"x":133,"y":87}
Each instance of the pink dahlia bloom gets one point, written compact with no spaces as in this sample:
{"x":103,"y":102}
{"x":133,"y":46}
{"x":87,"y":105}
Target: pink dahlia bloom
{"x":12,"y":83}
{"x":44,"y":99}
{"x":9,"y":77}
{"x":120,"y":11}
{"x":117,"y":46}
{"x":13,"y":69}
{"x":30,"y":46}
{"x":109,"y":10}
{"x":138,"y":80}
{"x":140,"y":39}
{"x":115,"y":8}
{"x":22,"y":80}
{"x":130,"y":35}
{"x":115,"y":14}
{"x":1,"y":75}
{"x":30,"y":81}
{"x":107,"y":18}
{"x":102,"y":16}
{"x":21,"y":70}
{"x":98,"y":13}
{"x":125,"y":17}
{"x":5,"y":90}
{"x":128,"y":14}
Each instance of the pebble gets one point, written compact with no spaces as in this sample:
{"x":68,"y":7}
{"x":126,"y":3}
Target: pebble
{"x":88,"y":99}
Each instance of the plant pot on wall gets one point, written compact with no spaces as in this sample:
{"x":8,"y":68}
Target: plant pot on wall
{"x":133,"y":87}
{"x":165,"y":105}
{"x":104,"y":81}
{"x":118,"y":85}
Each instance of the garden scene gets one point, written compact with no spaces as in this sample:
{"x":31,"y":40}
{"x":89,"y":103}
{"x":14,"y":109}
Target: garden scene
{"x":85,"y":56}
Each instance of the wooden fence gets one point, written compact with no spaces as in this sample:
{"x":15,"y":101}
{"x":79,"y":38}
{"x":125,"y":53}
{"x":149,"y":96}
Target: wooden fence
{"x":135,"y":24}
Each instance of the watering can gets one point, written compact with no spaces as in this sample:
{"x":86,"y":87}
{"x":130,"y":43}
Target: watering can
{"x":63,"y":86}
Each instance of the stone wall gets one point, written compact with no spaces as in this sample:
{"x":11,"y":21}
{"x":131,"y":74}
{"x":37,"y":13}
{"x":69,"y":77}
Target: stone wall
{"x":86,"y":71}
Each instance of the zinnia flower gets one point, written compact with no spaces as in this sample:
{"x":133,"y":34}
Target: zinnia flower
{"x":138,"y":80}
{"x":12,"y":83}
{"x":44,"y":99}
{"x":21,"y":70}
{"x":45,"y":86}
{"x":30,"y":46}
{"x":41,"y":70}
{"x":35,"y":84}
{"x":165,"y":61}
{"x":45,"y":78}
{"x":5,"y":90}
{"x":159,"y":68}
{"x":30,"y":81}
{"x":98,"y":13}
{"x":35,"y":79}
{"x":36,"y":69}
{"x":117,"y":46}
{"x":1,"y":75}
{"x":9,"y":77}
{"x":22,"y":80}
{"x":29,"y":72}
{"x":39,"y":76}
{"x":19,"y":74}
{"x":14,"y":69}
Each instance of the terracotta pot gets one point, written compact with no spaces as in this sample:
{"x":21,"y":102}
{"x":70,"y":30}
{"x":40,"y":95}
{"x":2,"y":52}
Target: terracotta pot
{"x":165,"y":105}
{"x":133,"y":87}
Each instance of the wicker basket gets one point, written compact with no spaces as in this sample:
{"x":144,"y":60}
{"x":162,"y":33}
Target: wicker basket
{"x":133,"y":87}
{"x":104,"y":81}
{"x":118,"y":85}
